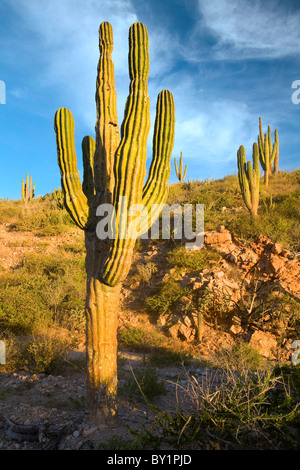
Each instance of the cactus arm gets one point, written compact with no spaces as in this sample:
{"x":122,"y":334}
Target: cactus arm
{"x":75,"y":200}
{"x":269,"y":139}
{"x":256,"y":169}
{"x":27,"y":187}
{"x":244,"y":184}
{"x":261,"y":134}
{"x":276,"y":158}
{"x":107,"y":128}
{"x":131,"y":154}
{"x":180,"y":166}
{"x":184,"y":173}
{"x":156,"y":188}
{"x":23,"y":190}
{"x":88,"y":150}
{"x":32,"y":191}
{"x":273,"y":154}
{"x":253,"y":177}
{"x":176,"y":168}
{"x":249,"y":178}
{"x":261,"y":146}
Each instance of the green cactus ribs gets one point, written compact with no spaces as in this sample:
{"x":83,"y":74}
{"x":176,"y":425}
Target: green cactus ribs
{"x":249,"y":176}
{"x":114,"y":164}
{"x":27,"y":189}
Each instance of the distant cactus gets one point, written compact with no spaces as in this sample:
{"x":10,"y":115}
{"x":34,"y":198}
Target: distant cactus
{"x":269,"y":203}
{"x":27,"y":190}
{"x":276,"y":159}
{"x":114,"y":170}
{"x":268,"y":152}
{"x":249,"y":178}
{"x":58,"y":197}
{"x":179,"y":172}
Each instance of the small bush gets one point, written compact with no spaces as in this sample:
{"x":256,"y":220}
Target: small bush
{"x":168,"y":294}
{"x":45,"y":353}
{"x":193,"y":260}
{"x":146,"y":271}
{"x":144,"y":384}
{"x":240,"y":357}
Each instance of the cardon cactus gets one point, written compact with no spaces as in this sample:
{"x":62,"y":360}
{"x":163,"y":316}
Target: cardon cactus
{"x":268,"y":152}
{"x":179,"y":171}
{"x":276,"y":159}
{"x":114,"y":173}
{"x":58,"y":197}
{"x":249,"y":176}
{"x":27,"y":189}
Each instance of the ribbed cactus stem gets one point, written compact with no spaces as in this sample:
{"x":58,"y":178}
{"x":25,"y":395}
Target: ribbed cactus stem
{"x":131,"y":155}
{"x":75,"y":200}
{"x":156,"y":188}
{"x":276,"y":159}
{"x":114,"y":172}
{"x":107,"y":127}
{"x":249,"y":178}
{"x":23,"y":190}
{"x":179,"y":171}
{"x":88,"y":146}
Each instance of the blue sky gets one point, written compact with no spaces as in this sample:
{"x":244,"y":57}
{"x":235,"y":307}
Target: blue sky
{"x":227,"y":62}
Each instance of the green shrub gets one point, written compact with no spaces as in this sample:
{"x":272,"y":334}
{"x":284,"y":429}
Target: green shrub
{"x":196,"y":260}
{"x":145,"y":384}
{"x":45,"y":354}
{"x":41,"y":291}
{"x":239,"y":410}
{"x":168,"y":294}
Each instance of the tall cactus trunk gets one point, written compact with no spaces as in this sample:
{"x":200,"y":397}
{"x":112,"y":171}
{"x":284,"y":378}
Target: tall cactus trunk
{"x":102,"y":305}
{"x":266,"y":178}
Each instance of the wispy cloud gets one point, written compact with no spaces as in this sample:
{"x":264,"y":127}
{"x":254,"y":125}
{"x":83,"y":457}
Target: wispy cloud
{"x":67,"y":33}
{"x":255,"y":29}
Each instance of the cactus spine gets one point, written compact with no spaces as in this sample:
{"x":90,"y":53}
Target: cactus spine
{"x":268,"y":152}
{"x":249,"y":176}
{"x":27,"y":189}
{"x":179,"y":172}
{"x":114,"y":171}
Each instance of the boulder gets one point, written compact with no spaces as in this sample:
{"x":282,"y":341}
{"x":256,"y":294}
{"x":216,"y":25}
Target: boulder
{"x":263,"y":342}
{"x":217,"y":237}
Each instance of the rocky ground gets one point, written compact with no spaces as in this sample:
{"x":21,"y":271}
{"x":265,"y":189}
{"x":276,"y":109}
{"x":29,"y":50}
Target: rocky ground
{"x":48,"y":412}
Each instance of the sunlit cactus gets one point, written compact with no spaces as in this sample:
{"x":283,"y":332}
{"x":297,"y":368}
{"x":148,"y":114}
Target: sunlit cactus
{"x":249,"y":176}
{"x":114,"y":172}
{"x":276,"y":159}
{"x":179,"y":171}
{"x":27,"y":189}
{"x":268,"y":152}
{"x":58,"y":197}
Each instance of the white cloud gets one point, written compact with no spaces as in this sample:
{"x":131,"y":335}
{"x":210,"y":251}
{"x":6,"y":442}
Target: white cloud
{"x":215,"y":131}
{"x":255,"y":29}
{"x":67,"y":50}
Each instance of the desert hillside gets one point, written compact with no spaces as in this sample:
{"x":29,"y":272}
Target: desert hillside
{"x":186,"y":317}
